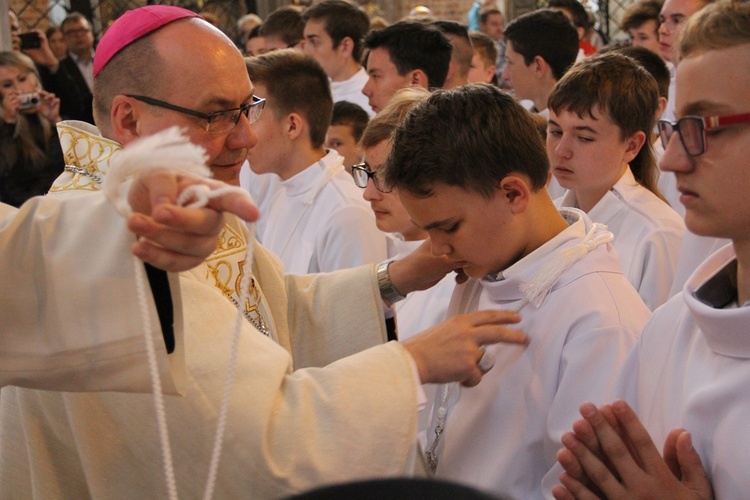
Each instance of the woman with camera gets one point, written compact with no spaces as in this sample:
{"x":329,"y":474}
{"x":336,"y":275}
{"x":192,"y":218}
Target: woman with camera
{"x":30,"y":155}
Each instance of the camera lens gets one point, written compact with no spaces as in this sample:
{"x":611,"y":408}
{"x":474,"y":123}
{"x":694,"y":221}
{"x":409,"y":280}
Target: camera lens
{"x":34,"y":101}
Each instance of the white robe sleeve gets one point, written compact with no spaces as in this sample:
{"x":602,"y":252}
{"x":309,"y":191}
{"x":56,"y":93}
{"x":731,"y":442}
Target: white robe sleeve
{"x":70,"y":316}
{"x":320,"y":318}
{"x":653,"y":266}
{"x":349,"y":239}
{"x":586,"y":375}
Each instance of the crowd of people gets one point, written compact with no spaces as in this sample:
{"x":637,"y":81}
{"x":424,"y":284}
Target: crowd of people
{"x":471,"y":252}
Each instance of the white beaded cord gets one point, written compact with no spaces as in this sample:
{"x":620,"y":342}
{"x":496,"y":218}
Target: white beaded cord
{"x":156,"y":152}
{"x":161,"y":419}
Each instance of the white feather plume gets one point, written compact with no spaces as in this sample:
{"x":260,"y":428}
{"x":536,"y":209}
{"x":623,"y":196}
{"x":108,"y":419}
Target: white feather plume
{"x":169,"y":148}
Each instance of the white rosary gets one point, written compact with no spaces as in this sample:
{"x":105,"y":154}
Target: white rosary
{"x":170,"y":149}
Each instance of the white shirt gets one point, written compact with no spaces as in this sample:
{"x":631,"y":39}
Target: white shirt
{"x":351,"y":90}
{"x":648,"y":235}
{"x":668,"y":113}
{"x":502,"y":435}
{"x":691,"y":369}
{"x":86,"y":68}
{"x":667,"y":182}
{"x":317,"y":221}
{"x":260,"y":187}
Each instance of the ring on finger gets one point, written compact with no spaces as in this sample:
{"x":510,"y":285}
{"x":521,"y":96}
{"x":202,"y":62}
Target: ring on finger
{"x":487,"y":361}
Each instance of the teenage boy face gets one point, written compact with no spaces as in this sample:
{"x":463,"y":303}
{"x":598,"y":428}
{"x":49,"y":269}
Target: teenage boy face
{"x":320,"y":46}
{"x":265,"y":156}
{"x":587,"y":154}
{"x":477,"y":234}
{"x":384,"y":79}
{"x":480,"y":71}
{"x":713,"y":186}
{"x":672,"y":18}
{"x":340,"y":138}
{"x":646,"y":36}
{"x":518,"y":75}
{"x":390,"y":214}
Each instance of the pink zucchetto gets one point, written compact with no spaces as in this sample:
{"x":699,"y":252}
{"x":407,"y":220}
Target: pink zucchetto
{"x":132,"y":26}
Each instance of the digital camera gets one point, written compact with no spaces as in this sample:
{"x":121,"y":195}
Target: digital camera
{"x":29,"y":100}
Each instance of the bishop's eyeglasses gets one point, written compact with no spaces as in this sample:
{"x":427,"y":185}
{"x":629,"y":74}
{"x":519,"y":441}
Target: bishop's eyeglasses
{"x":216,"y":121}
{"x":362,"y":172}
{"x":692,"y":130}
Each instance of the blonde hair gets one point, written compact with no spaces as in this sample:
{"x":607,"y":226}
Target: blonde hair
{"x":719,"y":25}
{"x":30,"y":150}
{"x":381,"y":127}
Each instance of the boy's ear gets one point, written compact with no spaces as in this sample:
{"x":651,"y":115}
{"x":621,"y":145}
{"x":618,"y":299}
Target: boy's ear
{"x":661,"y":107}
{"x":123,"y":116}
{"x":516,"y":191}
{"x":346,"y":46}
{"x":419,"y":77}
{"x":635,"y":142}
{"x":541,"y":67}
{"x":295,"y":125}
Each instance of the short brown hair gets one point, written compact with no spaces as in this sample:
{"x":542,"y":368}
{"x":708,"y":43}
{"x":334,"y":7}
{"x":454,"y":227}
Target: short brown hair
{"x":625,"y":91}
{"x":651,"y":62}
{"x":285,"y":23}
{"x":485,"y":46}
{"x":350,"y":115}
{"x":342,"y":20}
{"x":296,"y":83}
{"x":471,"y":137}
{"x":639,"y":13}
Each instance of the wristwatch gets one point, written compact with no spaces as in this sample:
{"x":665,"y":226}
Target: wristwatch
{"x":388,"y":292}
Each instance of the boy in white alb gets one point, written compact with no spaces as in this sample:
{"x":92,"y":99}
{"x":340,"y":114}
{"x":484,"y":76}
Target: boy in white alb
{"x":484,"y":205}
{"x":687,"y":380}
{"x":601,"y":117}
{"x":334,"y":36}
{"x":428,"y":307}
{"x":315,"y":219}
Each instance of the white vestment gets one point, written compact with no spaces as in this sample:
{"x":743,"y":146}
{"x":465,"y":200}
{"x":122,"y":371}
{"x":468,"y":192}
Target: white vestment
{"x":648,"y":234}
{"x":691,"y":369}
{"x":502,"y":435}
{"x":287,"y":430}
{"x":351,"y":90}
{"x":693,"y":252}
{"x":317,"y":221}
{"x":70,"y":314}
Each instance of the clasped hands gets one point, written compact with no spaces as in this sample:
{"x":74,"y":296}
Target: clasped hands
{"x":610,"y":454}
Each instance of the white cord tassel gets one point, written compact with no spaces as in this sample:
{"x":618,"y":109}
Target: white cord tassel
{"x":538,"y":288}
{"x":169,"y":148}
{"x":172,"y":150}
